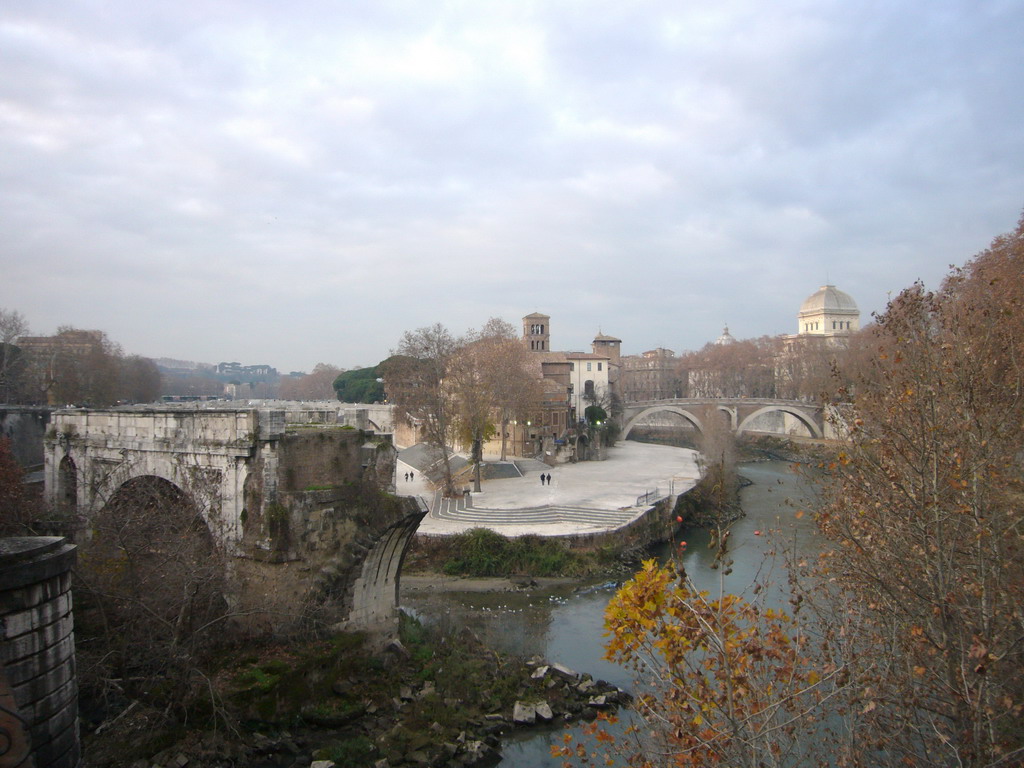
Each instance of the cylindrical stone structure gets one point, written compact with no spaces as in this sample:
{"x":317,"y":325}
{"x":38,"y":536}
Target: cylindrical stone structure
{"x":37,"y":653}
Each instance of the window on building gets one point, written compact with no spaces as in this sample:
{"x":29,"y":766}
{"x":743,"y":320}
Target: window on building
{"x":589,"y":366}
{"x":572,"y":366}
{"x":599,"y":366}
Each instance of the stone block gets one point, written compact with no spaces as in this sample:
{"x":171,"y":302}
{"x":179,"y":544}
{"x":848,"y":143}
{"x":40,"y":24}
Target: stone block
{"x":36,"y":690}
{"x":33,"y":665}
{"x":31,"y":619}
{"x":34,"y":642}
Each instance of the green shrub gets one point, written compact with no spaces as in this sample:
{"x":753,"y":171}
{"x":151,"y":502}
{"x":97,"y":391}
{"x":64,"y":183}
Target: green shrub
{"x":351,"y":753}
{"x":481,"y":553}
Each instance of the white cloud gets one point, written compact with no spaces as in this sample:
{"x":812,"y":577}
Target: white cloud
{"x":329,"y":178}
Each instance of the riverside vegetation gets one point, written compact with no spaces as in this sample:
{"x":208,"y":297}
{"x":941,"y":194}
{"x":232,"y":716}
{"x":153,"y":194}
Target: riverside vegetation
{"x":428,"y":699}
{"x":483,"y":553}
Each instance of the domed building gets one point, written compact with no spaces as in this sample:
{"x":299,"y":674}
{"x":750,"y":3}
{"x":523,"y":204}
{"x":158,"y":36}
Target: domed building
{"x":828,"y":312}
{"x":725,"y":338}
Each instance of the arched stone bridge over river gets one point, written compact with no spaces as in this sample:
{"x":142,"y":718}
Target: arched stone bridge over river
{"x":295,"y":507}
{"x":741,"y":415}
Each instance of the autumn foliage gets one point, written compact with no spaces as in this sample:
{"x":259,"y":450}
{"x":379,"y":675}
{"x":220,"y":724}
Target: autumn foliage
{"x":925,"y":513}
{"x":905,"y":645}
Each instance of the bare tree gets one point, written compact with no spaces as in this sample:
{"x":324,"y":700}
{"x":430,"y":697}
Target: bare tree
{"x":318,"y":385}
{"x":12,"y":327}
{"x":415,"y":380}
{"x":514,"y":385}
{"x":470,"y":388}
{"x":150,"y":600}
{"x":741,"y":369}
{"x":15,"y":506}
{"x":140,"y":380}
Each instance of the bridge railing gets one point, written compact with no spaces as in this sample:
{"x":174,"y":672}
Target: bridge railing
{"x":646,"y":499}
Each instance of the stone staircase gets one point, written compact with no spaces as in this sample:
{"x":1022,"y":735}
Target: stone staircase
{"x":459,"y":510}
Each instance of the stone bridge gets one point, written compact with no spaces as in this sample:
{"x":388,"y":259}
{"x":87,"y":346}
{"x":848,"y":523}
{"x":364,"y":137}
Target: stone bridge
{"x":296,"y":507}
{"x":782,"y":417}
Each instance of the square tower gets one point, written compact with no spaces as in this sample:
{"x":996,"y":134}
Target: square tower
{"x":537,"y":332}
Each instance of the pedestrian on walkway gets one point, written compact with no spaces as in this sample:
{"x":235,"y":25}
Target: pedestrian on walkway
{"x":542,"y":478}
{"x":407,"y":477}
{"x":412,"y":475}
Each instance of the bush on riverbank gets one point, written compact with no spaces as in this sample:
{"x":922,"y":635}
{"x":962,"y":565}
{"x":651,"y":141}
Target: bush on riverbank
{"x":482,"y":553}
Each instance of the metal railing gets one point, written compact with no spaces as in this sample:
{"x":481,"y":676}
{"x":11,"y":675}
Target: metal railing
{"x":648,"y":498}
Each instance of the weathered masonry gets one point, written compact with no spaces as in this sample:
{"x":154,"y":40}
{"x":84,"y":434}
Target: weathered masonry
{"x":38,"y":689}
{"x":296,"y":506}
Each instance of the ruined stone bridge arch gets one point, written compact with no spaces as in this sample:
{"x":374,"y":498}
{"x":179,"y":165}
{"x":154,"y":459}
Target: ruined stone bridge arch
{"x":89,"y":455}
{"x":275,"y":495}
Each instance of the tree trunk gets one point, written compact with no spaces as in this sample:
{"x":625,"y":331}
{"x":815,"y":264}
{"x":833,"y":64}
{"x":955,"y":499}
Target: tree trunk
{"x":478,"y":451}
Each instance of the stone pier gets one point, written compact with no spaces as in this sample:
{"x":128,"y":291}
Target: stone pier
{"x":38,"y":688}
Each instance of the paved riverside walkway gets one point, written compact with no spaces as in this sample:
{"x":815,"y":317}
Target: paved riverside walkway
{"x":587,"y":497}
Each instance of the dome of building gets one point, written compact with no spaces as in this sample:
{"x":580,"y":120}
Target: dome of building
{"x":829,"y":299}
{"x":828,"y":311}
{"x":725,"y":338}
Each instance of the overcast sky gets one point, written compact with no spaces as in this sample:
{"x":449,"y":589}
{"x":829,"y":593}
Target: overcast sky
{"x":289,"y":183}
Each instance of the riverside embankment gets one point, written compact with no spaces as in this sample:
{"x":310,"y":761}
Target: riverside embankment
{"x":564,"y":622}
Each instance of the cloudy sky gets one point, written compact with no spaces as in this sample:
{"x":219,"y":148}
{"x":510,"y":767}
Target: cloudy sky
{"x":298,"y":182}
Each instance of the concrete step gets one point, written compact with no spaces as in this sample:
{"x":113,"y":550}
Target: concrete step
{"x":610,"y":518}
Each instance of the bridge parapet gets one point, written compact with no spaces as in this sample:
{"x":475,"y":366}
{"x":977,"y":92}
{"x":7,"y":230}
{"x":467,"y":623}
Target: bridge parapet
{"x":233,"y":432}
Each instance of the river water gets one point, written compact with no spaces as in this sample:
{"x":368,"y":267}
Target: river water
{"x":566,"y":625}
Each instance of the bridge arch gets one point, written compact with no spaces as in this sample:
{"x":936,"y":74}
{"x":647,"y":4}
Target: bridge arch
{"x":677,"y":410}
{"x":194,"y":481}
{"x":151,"y":494}
{"x":66,"y":496}
{"x":155,"y":545}
{"x":796,"y":413}
{"x":371,"y":599}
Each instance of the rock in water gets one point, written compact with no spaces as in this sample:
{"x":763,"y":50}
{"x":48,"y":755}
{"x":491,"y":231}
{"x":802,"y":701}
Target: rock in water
{"x":524,"y":714}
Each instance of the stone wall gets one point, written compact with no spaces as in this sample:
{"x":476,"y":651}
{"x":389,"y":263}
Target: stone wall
{"x":37,"y":651}
{"x":653,"y":525}
{"x":319,"y":456}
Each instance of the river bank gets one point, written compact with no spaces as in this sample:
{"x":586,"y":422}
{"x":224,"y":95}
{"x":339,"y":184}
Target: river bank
{"x":432,"y":697}
{"x":424,"y":582}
